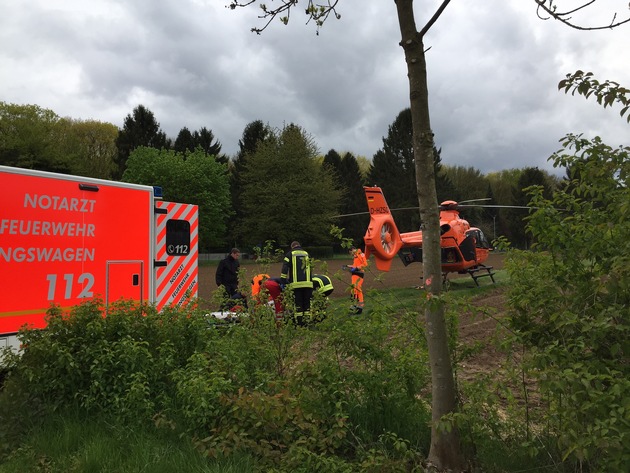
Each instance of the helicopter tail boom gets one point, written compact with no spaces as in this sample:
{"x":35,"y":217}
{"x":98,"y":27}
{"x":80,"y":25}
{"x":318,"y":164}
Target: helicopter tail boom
{"x":382,"y":238}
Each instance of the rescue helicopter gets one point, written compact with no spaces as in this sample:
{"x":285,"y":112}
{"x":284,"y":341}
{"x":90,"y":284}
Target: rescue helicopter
{"x":464,"y":248}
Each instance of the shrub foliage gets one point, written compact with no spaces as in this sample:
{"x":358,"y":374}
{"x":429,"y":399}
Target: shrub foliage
{"x":571,"y":306}
{"x":289,"y":396}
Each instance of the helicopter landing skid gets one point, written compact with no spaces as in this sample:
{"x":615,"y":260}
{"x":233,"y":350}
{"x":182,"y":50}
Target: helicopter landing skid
{"x":477,"y":272}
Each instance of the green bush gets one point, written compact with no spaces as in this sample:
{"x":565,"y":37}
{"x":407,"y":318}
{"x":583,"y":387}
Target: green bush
{"x":369,"y":370}
{"x":288,"y":396}
{"x":571,"y":307}
{"x":119,"y":364}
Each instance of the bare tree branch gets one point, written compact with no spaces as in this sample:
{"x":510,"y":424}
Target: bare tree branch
{"x":317,"y":12}
{"x":434,"y":18}
{"x":550,"y":7}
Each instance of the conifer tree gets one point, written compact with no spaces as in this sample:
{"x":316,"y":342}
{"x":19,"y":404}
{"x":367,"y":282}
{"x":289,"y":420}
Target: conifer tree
{"x":139,"y":129}
{"x":286,"y":194}
{"x":531,"y":176}
{"x":393,"y":170}
{"x":204,"y":139}
{"x":254,"y":134}
{"x":353,"y":199}
{"x":184,"y":143}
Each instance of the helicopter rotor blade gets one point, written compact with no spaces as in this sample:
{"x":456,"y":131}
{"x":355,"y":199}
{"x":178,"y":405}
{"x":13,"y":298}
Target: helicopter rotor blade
{"x":474,"y":200}
{"x":367,"y":213}
{"x":489,"y":206}
{"x":350,"y":215}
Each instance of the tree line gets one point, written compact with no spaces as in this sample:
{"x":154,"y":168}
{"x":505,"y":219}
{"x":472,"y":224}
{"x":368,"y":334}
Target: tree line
{"x":278,"y":186}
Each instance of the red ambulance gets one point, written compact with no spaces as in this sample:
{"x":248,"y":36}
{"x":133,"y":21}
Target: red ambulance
{"x":65,"y":239}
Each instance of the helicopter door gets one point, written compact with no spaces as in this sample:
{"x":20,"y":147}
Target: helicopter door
{"x":468,"y":248}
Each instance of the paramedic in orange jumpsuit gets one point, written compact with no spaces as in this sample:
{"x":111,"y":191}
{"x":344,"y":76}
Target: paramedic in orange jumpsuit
{"x":357,"y":270}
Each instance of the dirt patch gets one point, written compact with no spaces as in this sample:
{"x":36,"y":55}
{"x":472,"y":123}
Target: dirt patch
{"x":478,"y":333}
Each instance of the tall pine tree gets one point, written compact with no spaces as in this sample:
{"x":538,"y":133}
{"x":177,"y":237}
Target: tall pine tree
{"x":333,"y":161}
{"x":139,"y":129}
{"x":393,"y":170}
{"x":204,"y":139}
{"x":184,"y":142}
{"x":531,"y":176}
{"x":353,"y":199}
{"x":286,"y":194}
{"x":254,"y":134}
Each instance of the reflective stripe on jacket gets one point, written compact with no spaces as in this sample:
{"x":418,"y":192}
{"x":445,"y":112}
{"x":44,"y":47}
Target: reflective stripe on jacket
{"x":322,"y":284}
{"x":296,"y":269}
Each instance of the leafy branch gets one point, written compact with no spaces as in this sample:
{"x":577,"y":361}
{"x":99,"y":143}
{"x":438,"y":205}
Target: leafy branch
{"x":607,"y":92}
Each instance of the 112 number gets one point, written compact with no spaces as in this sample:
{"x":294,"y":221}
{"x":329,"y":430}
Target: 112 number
{"x":84,"y":282}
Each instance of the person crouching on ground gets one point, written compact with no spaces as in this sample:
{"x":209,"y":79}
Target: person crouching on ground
{"x":322,"y":288}
{"x":265,"y":288}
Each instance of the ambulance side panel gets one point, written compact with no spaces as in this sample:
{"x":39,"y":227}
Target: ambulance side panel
{"x":63,"y":238}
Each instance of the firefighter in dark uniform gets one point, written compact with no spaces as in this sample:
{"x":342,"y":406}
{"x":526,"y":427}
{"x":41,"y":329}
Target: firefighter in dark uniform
{"x":296,"y":276}
{"x":322,"y":284}
{"x":322,"y":288}
{"x":227,"y":277}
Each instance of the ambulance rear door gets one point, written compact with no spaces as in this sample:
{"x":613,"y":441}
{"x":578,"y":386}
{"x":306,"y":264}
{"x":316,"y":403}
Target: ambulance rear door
{"x":176,"y":253}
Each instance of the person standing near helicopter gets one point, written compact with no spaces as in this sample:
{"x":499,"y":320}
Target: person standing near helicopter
{"x":357,"y":270}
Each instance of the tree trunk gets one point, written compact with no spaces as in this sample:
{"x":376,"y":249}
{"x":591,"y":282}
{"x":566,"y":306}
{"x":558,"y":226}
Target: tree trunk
{"x":445,"y":452}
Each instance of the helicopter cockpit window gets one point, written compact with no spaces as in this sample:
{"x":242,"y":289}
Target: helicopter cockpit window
{"x":480,"y":239}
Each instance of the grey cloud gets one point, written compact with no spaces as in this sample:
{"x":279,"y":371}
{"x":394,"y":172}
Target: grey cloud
{"x":493,"y":70}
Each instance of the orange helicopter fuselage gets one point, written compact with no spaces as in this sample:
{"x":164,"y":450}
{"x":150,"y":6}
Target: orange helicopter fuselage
{"x":463,"y":247}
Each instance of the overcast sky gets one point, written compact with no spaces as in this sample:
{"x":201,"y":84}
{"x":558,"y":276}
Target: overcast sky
{"x":493,"y":70}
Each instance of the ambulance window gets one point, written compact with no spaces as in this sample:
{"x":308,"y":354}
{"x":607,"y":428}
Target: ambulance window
{"x":177,"y":237}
